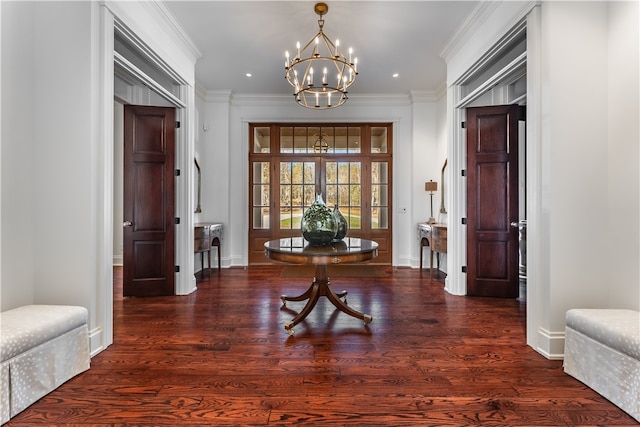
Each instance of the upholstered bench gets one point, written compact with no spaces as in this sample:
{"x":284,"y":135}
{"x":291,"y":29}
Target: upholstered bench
{"x":602,"y":349}
{"x":41,"y":347}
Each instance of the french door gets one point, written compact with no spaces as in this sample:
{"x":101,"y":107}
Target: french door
{"x":348,"y":165}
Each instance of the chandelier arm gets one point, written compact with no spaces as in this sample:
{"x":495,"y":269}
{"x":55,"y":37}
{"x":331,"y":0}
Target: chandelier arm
{"x":311,"y":42}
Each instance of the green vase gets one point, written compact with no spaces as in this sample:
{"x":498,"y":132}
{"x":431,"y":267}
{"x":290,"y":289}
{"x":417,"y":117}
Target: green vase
{"x":319,"y":226}
{"x":342,"y":225}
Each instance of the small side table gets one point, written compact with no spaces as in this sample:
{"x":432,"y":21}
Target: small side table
{"x":207,"y":235}
{"x":434,"y":236}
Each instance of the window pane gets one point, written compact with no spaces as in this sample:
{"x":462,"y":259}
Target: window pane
{"x":309,"y":173}
{"x":285,"y":218}
{"x":327,"y":143}
{"x":380,"y":218}
{"x":331,"y":173}
{"x":355,"y":173}
{"x":379,"y":195}
{"x":309,"y":195}
{"x":344,"y":172}
{"x":353,"y":140}
{"x":261,"y":195}
{"x":300,"y":139}
{"x":297,"y":172}
{"x":378,"y":139}
{"x":285,"y":195}
{"x":297,"y":190}
{"x":343,"y":189}
{"x":285,"y":172}
{"x":261,"y":217}
{"x":286,"y":139}
{"x":313,"y":133}
{"x":353,"y":217}
{"x":261,"y":172}
{"x":331,"y":198}
{"x":379,"y":172}
{"x":261,"y":140}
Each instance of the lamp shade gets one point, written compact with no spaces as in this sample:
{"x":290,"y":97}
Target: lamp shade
{"x":431,"y":186}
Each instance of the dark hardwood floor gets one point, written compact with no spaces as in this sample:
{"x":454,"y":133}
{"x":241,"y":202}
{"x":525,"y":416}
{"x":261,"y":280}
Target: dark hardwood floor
{"x":221,"y":356}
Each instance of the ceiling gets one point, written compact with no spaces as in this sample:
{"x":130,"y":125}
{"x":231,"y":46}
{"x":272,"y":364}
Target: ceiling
{"x":240,"y":37}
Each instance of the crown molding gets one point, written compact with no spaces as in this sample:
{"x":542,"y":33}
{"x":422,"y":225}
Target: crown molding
{"x":427,"y":95}
{"x":279,"y":100}
{"x":472,"y":22}
{"x":167,"y":20}
{"x":200,"y":90}
{"x":218,"y":96}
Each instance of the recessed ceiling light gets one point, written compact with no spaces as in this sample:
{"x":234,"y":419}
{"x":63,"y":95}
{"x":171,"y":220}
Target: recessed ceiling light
{"x":248,"y":74}
{"x":395,"y":75}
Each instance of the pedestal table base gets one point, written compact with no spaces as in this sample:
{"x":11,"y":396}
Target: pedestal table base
{"x":321,"y":287}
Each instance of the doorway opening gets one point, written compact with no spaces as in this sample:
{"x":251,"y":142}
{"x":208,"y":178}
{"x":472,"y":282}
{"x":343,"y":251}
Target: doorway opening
{"x":141,"y":81}
{"x":498,"y":78}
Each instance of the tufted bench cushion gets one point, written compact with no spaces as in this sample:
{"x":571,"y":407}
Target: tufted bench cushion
{"x":602,"y":349}
{"x":41,"y":347}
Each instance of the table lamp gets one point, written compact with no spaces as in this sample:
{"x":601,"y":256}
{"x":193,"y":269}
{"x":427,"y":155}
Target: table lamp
{"x":431,"y":187}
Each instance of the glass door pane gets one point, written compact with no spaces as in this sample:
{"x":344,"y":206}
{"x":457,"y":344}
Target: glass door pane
{"x":262,"y":140}
{"x":297,"y":191}
{"x":260,"y":195}
{"x":379,"y":195}
{"x":343,"y":186}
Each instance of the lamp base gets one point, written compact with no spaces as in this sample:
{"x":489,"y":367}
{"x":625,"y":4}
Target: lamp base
{"x":431,"y":220}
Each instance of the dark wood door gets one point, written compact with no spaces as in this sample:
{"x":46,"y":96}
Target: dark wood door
{"x":492,"y":201}
{"x":149,"y":220}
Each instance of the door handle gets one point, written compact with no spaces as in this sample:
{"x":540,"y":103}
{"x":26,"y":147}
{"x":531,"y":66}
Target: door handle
{"x":127,"y":224}
{"x":514,"y":224}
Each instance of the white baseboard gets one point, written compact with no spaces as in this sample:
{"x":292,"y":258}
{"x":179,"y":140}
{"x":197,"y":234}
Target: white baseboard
{"x":550,"y":344}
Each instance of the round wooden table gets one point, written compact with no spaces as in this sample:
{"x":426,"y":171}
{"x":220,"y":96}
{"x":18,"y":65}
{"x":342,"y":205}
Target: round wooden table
{"x":296,"y":250}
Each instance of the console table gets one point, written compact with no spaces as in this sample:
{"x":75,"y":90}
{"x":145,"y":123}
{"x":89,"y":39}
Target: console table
{"x":296,"y":250}
{"x":207,"y":235}
{"x":434,"y":236}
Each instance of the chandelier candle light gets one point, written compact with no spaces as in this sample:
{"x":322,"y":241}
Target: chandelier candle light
{"x":337,"y":71}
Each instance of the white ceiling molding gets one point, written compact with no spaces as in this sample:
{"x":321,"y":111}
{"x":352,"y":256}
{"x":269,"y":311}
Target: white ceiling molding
{"x":167,"y":20}
{"x":278,"y":100}
{"x":473,"y":21}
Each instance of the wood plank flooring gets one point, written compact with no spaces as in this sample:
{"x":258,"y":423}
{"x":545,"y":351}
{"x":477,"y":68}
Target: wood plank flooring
{"x":221,"y":356}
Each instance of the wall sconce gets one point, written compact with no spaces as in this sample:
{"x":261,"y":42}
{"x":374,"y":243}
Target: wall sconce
{"x":431,"y":187}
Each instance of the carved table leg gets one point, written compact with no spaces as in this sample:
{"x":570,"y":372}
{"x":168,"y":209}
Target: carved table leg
{"x":321,"y":287}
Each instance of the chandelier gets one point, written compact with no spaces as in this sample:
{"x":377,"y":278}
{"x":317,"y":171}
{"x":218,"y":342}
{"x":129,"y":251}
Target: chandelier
{"x":319,"y":72}
{"x":321,"y":145}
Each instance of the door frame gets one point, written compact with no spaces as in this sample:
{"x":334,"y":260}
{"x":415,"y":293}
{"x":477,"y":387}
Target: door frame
{"x":101,"y":310}
{"x":539,"y":335}
{"x":456,"y":280}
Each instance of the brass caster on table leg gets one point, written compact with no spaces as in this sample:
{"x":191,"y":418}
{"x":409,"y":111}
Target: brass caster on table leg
{"x":284,"y":300}
{"x":367,"y":319}
{"x":289,"y":328}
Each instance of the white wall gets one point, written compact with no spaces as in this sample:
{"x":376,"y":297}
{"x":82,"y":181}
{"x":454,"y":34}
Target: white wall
{"x":224,"y":151}
{"x":428,"y":155}
{"x":590,"y":121}
{"x":47,"y":153}
{"x":623,"y":153}
{"x":18,"y":174}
